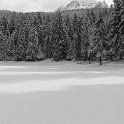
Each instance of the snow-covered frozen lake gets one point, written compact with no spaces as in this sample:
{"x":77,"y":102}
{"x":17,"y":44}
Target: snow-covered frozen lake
{"x":61,"y":93}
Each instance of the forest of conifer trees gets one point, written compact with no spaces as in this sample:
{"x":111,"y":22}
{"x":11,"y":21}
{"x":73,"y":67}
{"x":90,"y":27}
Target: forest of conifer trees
{"x":89,"y":35}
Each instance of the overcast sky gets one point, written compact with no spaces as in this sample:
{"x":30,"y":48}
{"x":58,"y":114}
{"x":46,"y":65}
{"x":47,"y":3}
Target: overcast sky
{"x":34,"y":5}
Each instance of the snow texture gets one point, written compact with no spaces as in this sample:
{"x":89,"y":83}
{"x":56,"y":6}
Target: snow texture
{"x":61,"y":93}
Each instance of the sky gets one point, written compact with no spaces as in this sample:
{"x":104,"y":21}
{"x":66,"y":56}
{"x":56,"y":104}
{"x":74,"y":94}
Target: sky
{"x":35,"y":5}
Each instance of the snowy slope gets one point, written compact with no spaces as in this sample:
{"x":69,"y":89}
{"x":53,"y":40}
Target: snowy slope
{"x":83,"y":4}
{"x":51,"y":92}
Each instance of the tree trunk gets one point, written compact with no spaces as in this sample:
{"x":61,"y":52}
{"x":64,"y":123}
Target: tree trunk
{"x":100,"y":58}
{"x":111,"y":57}
{"x":121,"y":56}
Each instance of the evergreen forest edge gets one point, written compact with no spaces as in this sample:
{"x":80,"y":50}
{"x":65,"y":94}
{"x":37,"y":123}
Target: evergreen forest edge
{"x":87,"y":34}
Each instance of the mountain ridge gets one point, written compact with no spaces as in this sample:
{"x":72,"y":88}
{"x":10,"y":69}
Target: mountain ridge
{"x":83,"y":4}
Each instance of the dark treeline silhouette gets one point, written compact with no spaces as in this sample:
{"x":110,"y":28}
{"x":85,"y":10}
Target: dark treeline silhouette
{"x":90,"y":35}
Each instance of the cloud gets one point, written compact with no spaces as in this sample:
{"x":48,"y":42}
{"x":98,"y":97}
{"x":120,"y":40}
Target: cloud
{"x":52,"y":5}
{"x":27,"y":6}
{"x":21,"y":5}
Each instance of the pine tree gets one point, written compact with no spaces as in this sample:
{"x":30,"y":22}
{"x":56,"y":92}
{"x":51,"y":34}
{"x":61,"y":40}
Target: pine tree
{"x":12,"y":26}
{"x":67,"y":21}
{"x":10,"y":48}
{"x":39,"y":17}
{"x":77,"y":34}
{"x":48,"y":33}
{"x":71,"y":53}
{"x":2,"y":46}
{"x":114,"y":35}
{"x":32,"y":48}
{"x":121,"y":31}
{"x":20,"y":47}
{"x":3,"y":24}
{"x":85,"y":37}
{"x":68,"y":29}
{"x":97,"y":40}
{"x":41,"y":32}
{"x":91,"y":17}
{"x":12,"y":41}
{"x":60,"y":51}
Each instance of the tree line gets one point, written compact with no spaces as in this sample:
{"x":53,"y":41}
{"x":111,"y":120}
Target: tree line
{"x":89,"y":35}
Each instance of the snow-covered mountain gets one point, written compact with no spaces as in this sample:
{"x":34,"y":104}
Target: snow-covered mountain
{"x":83,"y":4}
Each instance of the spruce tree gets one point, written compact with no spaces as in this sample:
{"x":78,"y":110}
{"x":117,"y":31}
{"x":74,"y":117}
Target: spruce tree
{"x":97,"y":40}
{"x":12,"y":26}
{"x":60,"y":51}
{"x":2,"y":46}
{"x":85,"y":37}
{"x":10,"y":48}
{"x":32,"y":47}
{"x":71,"y":53}
{"x":114,"y":34}
{"x":20,"y":47}
{"x":77,"y":34}
{"x":121,"y":31}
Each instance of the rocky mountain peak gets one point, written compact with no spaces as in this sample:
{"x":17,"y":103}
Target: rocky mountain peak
{"x":83,"y":4}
